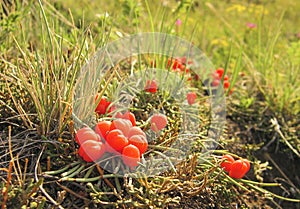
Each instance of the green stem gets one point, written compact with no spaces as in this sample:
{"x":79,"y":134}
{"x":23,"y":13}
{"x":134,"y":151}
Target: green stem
{"x":62,"y":169}
{"x":88,"y":179}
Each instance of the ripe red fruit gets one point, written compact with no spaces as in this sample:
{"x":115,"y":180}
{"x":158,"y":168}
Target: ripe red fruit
{"x":191,"y":97}
{"x":116,"y":141}
{"x":140,"y":142}
{"x":227,"y":162}
{"x":128,"y":116}
{"x":239,"y":168}
{"x":151,"y":86}
{"x":220,"y":72}
{"x":121,"y":124}
{"x":91,"y":150}
{"x":85,"y":134}
{"x":102,"y":128}
{"x":226,"y":78}
{"x":226,"y":84}
{"x":102,"y":105}
{"x":131,"y":156}
{"x":176,"y":64}
{"x":136,"y":131}
{"x":158,"y":122}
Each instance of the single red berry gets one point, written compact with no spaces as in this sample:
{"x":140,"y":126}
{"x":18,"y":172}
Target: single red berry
{"x":227,"y":162}
{"x":130,"y":116}
{"x":91,"y":150}
{"x":239,"y":168}
{"x":116,"y":141}
{"x":226,"y":78}
{"x":220,"y":72}
{"x":136,"y":131}
{"x":122,"y":125}
{"x":85,"y":134}
{"x":131,"y":156}
{"x":140,"y":142}
{"x":191,"y":97}
{"x":102,"y":128}
{"x":226,"y":84}
{"x":169,"y":63}
{"x":102,"y":105}
{"x":151,"y":86}
{"x":158,"y":122}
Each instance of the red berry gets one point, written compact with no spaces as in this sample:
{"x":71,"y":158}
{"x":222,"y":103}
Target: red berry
{"x":239,"y":168}
{"x":227,"y":162}
{"x":121,"y":124}
{"x":158,"y":122}
{"x":226,"y":84}
{"x":226,"y":78}
{"x":140,"y":142}
{"x":131,"y":156}
{"x":102,"y":128}
{"x":116,"y":141}
{"x":136,"y":131}
{"x":129,"y":116}
{"x":191,"y":97}
{"x":102,"y":105}
{"x":85,"y":134}
{"x":151,"y":86}
{"x":91,"y":150}
{"x":220,"y":72}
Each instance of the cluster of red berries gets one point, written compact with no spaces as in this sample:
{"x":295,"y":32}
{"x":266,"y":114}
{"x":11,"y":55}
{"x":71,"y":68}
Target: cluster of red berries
{"x":179,"y":64}
{"x":217,"y":78}
{"x":120,"y":136}
{"x":236,"y":168}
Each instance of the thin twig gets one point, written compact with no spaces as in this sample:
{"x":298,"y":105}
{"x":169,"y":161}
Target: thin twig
{"x":5,"y":190}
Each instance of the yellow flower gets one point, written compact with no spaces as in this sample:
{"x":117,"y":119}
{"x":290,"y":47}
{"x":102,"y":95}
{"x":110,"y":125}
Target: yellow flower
{"x":220,"y":42}
{"x":236,"y":7}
